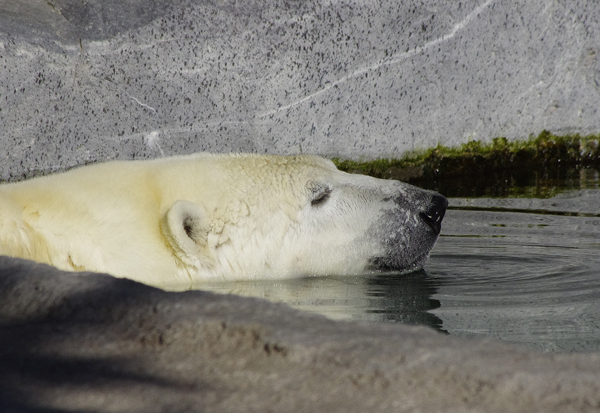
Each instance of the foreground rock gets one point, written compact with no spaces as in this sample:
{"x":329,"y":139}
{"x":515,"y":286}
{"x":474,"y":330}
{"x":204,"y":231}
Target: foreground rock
{"x":96,"y":343}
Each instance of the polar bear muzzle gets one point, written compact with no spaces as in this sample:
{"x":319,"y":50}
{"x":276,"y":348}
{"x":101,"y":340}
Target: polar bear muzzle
{"x":408,"y":230}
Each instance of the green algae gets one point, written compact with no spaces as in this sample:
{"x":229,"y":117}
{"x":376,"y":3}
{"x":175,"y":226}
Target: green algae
{"x":540,"y":166}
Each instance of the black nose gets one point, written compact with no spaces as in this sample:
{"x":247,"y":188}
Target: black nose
{"x":435,"y":213}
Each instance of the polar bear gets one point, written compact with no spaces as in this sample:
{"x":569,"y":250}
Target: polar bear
{"x":200,"y":217}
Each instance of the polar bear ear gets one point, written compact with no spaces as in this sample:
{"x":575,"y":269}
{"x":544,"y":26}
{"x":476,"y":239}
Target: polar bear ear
{"x":185,"y":226}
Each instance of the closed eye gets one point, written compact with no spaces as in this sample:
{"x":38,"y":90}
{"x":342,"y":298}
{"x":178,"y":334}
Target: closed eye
{"x":321,"y":197}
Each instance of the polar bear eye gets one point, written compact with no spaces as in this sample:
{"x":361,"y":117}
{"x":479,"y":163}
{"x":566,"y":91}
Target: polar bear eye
{"x":320,"y":195}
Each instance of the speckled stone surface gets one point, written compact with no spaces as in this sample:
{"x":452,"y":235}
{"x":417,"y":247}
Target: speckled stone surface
{"x":106,"y":79}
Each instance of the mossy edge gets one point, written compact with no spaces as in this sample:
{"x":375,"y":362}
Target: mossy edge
{"x":475,"y":157}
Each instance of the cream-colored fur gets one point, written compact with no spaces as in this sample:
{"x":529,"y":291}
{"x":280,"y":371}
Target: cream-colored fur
{"x":199,"y":217}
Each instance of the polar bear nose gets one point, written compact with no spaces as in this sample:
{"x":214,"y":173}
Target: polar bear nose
{"x":435,"y":213}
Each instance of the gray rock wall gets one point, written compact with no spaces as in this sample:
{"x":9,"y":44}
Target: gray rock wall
{"x":106,"y":79}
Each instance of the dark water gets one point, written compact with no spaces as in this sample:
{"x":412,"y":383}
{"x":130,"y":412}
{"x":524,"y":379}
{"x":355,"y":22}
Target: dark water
{"x":522,"y":277}
{"x":522,"y":270}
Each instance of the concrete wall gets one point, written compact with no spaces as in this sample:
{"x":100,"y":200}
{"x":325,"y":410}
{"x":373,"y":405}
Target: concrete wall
{"x":107,"y":79}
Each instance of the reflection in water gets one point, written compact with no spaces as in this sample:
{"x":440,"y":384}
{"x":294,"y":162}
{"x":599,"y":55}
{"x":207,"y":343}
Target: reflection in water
{"x":521,"y":270}
{"x":403,"y":298}
{"x":375,"y":297}
{"x":540,"y":182}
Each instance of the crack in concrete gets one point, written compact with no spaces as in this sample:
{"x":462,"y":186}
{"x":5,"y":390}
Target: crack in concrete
{"x":387,"y":62}
{"x":138,"y":101}
{"x":129,"y":95}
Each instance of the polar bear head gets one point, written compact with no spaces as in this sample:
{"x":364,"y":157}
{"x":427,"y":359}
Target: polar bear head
{"x":251,"y":216}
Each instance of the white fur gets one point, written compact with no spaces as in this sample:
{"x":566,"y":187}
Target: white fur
{"x":201,"y":217}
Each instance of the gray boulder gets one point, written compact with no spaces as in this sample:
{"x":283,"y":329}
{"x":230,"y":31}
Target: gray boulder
{"x":91,"y":342}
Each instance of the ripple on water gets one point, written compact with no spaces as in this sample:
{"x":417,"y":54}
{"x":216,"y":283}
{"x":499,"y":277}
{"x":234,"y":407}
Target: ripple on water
{"x":528,"y":278}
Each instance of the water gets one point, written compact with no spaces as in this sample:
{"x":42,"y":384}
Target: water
{"x":522,"y":270}
{"x":527,"y":278}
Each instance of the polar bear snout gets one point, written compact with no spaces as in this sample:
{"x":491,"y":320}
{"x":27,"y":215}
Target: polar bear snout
{"x":407,"y":232}
{"x":434,"y":214}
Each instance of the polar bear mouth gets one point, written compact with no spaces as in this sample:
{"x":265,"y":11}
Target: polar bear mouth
{"x":387,"y":264}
